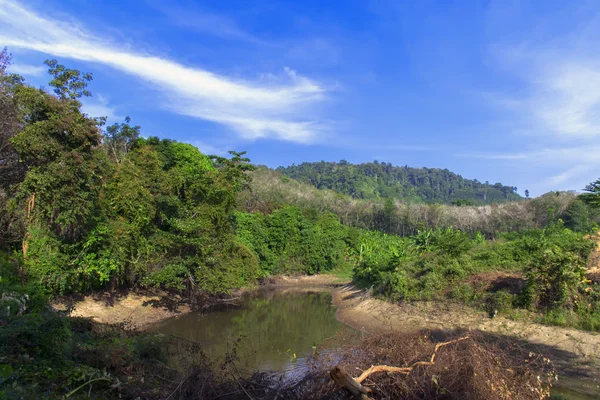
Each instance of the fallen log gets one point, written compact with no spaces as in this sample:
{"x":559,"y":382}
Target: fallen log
{"x":354,"y":385}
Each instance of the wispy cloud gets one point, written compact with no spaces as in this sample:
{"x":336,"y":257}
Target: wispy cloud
{"x":553,"y":104}
{"x":555,"y":63}
{"x":584,"y":154}
{"x":282,"y":109}
{"x":561,"y":91}
{"x":493,"y":156}
{"x":28,"y":70}
{"x":98,"y":106}
{"x":576,"y":166}
{"x":568,"y":175}
{"x":208,"y":148}
{"x":193,"y":18}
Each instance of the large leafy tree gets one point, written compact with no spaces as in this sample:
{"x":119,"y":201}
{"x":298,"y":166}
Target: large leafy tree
{"x":11,"y":171}
{"x":58,"y":144}
{"x":55,"y":170}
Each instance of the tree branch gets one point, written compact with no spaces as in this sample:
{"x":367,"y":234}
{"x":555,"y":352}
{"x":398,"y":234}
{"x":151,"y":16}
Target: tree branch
{"x":354,"y":385}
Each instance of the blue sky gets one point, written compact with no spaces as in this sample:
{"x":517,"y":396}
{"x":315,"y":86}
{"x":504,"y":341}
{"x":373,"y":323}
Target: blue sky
{"x":502,"y":91}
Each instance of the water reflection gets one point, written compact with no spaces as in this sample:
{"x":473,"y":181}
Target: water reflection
{"x":271,"y":330}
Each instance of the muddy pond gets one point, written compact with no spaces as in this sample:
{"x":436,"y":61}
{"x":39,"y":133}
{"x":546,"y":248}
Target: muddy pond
{"x":272,"y":329}
{"x":278,"y":329}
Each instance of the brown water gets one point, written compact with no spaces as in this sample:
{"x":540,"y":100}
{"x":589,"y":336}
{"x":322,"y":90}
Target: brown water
{"x":270,"y":330}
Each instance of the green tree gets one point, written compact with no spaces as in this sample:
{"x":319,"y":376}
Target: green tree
{"x":11,"y":170}
{"x":59,"y":147}
{"x":593,"y":195}
{"x":580,"y":217}
{"x":68,"y":83}
{"x":119,"y":139}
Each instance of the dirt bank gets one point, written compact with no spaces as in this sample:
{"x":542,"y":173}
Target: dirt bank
{"x":308,"y":281}
{"x":574,"y":352}
{"x":135,"y":309}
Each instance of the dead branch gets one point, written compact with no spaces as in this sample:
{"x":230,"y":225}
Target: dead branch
{"x":354,"y":385}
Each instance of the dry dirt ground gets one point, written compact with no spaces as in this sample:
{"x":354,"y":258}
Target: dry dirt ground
{"x":308,"y":281}
{"x":574,"y":352}
{"x":135,"y":309}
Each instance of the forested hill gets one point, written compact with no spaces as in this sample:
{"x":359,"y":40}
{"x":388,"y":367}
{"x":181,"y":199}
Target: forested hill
{"x":375,"y":179}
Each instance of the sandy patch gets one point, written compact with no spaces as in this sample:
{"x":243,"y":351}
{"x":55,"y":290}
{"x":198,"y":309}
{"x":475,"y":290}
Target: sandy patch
{"x":309,"y":280}
{"x":136,"y":310}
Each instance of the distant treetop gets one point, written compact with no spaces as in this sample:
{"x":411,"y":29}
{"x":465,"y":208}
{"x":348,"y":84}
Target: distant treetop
{"x":383,"y":180}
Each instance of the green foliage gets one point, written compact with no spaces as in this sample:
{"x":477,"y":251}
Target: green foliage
{"x":582,"y":217}
{"x":94,"y":208}
{"x":464,"y":293}
{"x":68,"y":83}
{"x":500,"y":302}
{"x":289,"y":241}
{"x":46,"y":354}
{"x":447,"y":263}
{"x":446,"y":241}
{"x":121,"y":210}
{"x":479,"y":238}
{"x":172,"y":276}
{"x":593,"y":195}
{"x":119,"y":139}
{"x":231,"y":268}
{"x":462,"y":202}
{"x":451,"y":241}
{"x":556,"y":271}
{"x":381,"y":180}
{"x":46,"y":262}
{"x":65,"y":171}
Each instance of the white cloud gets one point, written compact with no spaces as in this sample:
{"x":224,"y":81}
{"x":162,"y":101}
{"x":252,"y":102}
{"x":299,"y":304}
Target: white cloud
{"x":98,"y":106}
{"x":553,"y":104}
{"x":556,"y":67}
{"x":567,"y":175}
{"x":576,"y":166}
{"x":208,"y":148}
{"x":587,"y":155}
{"x":252,"y":109}
{"x":561,"y":96}
{"x":28,"y":70}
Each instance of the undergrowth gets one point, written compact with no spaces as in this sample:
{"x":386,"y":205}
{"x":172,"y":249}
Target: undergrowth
{"x":542,"y":271}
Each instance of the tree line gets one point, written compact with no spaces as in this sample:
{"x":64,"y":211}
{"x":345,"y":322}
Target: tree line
{"x":383,"y":180}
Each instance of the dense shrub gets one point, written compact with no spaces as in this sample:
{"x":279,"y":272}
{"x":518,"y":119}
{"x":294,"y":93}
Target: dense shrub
{"x":439,"y":264}
{"x":290,"y":241}
{"x":581,"y":217}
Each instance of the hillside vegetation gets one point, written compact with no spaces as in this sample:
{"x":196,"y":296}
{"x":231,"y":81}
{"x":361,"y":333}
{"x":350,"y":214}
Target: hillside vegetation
{"x":270,"y":190}
{"x":383,"y":180}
